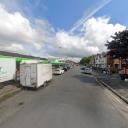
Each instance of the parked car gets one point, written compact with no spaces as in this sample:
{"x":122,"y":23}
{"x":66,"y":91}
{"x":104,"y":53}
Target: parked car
{"x":65,"y":68}
{"x":123,"y":73}
{"x":83,"y":68}
{"x":88,"y":70}
{"x":58,"y":71}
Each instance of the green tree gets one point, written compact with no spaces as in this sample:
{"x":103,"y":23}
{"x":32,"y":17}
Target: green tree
{"x":118,"y":46}
{"x":85,"y":60}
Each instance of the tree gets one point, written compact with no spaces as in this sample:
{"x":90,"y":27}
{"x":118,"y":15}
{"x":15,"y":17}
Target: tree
{"x":85,"y":60}
{"x":118,"y":46}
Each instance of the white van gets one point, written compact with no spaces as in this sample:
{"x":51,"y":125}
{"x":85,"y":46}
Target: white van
{"x":35,"y":74}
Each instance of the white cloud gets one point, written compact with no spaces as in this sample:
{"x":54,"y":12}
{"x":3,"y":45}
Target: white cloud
{"x":92,"y":38}
{"x":98,"y":30}
{"x":18,"y":32}
{"x":89,"y":13}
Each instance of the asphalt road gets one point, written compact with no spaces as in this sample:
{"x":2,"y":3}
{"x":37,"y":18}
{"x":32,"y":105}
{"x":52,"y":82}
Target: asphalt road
{"x":73,"y":100}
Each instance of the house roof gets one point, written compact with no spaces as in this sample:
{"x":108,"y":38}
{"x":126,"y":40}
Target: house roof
{"x":19,"y":57}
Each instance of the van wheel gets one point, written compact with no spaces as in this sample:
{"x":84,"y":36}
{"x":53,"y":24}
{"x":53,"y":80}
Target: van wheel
{"x":35,"y":88}
{"x":45,"y":84}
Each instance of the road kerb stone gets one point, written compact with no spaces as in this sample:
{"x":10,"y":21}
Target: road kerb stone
{"x":112,"y":90}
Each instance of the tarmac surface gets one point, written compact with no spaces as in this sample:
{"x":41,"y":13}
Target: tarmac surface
{"x":73,"y":100}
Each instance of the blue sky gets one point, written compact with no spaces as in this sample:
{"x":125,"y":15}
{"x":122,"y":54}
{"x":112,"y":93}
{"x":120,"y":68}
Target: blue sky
{"x":64,"y":13}
{"x":60,"y":13}
{"x":40,"y":27}
{"x":116,"y":10}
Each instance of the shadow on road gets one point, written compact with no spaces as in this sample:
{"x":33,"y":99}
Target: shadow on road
{"x":85,"y":78}
{"x":12,"y":83}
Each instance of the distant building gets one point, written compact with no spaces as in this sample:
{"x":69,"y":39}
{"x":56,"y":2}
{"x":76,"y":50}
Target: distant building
{"x":99,"y":61}
{"x":105,"y":61}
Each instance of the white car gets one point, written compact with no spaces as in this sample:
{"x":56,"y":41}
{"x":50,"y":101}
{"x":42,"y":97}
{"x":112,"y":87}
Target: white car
{"x":88,"y":70}
{"x":58,"y":71}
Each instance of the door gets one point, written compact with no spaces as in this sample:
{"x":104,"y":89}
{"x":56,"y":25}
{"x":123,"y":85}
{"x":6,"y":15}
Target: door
{"x":28,"y":76}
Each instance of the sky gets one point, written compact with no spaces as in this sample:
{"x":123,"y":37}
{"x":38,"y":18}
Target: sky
{"x":60,"y":28}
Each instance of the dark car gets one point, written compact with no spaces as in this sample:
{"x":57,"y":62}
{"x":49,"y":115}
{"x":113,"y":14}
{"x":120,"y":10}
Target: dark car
{"x":65,"y":69}
{"x":83,"y":68}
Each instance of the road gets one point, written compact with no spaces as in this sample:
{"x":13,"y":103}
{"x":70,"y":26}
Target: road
{"x":73,"y":100}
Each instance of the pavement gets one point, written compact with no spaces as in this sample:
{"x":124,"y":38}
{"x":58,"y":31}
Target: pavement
{"x":8,"y":89}
{"x":73,"y":100}
{"x":114,"y":82}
